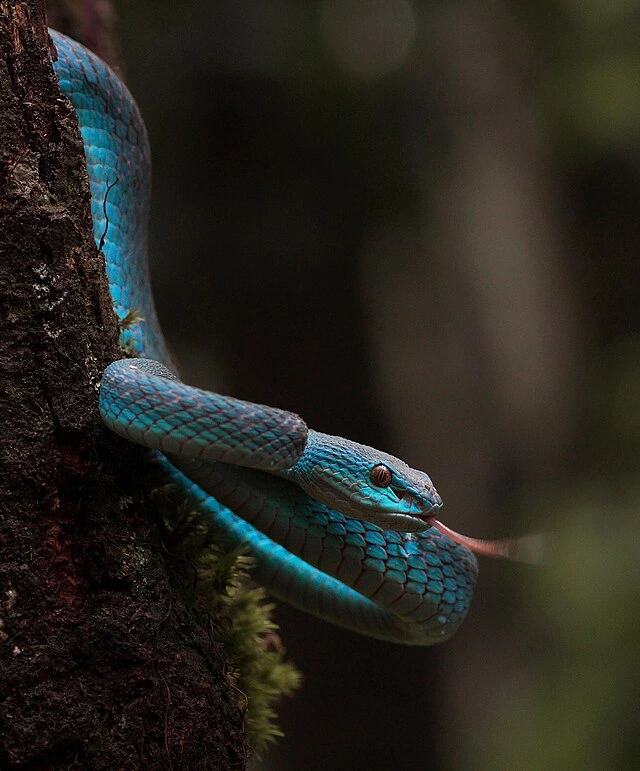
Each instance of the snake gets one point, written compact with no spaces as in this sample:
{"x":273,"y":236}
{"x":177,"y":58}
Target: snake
{"x":338,"y":529}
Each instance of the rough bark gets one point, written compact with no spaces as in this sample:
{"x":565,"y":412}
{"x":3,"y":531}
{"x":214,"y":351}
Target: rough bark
{"x":101,"y":666}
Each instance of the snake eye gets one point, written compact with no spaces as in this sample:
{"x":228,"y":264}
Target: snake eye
{"x":380,"y":475}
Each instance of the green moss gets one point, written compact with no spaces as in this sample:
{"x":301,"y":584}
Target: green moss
{"x":217,"y":587}
{"x":132,"y":319}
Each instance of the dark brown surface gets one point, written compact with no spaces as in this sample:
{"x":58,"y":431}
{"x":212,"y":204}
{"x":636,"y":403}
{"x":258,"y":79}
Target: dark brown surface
{"x":101,"y":666}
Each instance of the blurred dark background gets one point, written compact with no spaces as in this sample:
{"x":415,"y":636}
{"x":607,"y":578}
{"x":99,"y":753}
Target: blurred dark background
{"x":416,"y":224}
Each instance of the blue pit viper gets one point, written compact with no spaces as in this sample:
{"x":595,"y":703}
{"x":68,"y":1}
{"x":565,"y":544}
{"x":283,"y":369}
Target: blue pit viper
{"x":338,"y":529}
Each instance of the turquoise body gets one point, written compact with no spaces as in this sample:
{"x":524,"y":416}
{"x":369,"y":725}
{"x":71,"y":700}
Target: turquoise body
{"x":246,"y":465}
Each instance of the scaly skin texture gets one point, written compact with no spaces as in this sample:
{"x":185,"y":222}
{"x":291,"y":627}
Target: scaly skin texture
{"x":408,"y":587}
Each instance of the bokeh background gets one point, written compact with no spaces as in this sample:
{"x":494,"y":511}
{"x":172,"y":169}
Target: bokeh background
{"x":416,"y":224}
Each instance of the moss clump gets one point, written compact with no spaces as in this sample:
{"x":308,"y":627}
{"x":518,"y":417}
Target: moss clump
{"x":216,"y":585}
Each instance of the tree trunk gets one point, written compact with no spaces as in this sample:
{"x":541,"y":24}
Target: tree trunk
{"x":101,"y":665}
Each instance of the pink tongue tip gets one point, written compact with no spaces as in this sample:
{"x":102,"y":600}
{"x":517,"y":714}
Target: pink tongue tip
{"x":528,"y":548}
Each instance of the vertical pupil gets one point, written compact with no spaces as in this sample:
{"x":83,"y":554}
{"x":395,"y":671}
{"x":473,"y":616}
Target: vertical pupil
{"x":380,"y":475}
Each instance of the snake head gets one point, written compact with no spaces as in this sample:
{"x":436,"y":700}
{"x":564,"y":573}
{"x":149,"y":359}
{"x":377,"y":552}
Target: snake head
{"x":365,"y":483}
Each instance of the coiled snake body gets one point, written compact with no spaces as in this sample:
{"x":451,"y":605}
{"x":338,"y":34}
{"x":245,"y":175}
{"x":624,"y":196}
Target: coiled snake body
{"x":338,"y":529}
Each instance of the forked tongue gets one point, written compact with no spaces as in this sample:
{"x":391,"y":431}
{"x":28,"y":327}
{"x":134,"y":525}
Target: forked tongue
{"x":527,"y":548}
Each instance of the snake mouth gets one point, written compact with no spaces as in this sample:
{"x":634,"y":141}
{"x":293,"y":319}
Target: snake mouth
{"x":418,"y":508}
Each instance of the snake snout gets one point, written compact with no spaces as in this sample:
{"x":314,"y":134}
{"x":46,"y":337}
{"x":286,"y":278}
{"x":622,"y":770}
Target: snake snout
{"x":433,"y":505}
{"x":422,"y":503}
